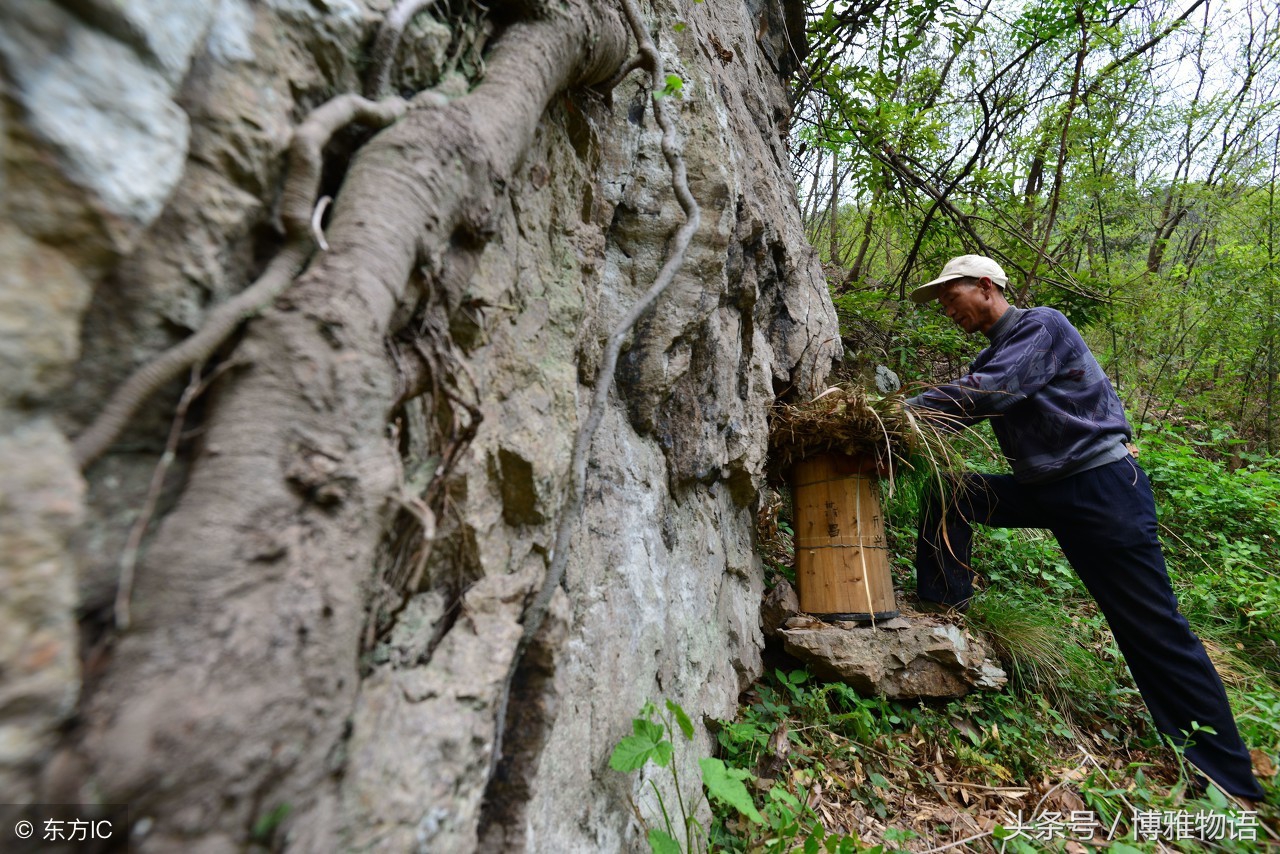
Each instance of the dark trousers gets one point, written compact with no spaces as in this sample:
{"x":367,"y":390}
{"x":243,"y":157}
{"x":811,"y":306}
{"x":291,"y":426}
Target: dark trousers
{"x":1105,"y":521}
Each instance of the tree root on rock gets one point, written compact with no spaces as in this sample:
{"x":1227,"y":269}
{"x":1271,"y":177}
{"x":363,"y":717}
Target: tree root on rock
{"x":253,"y":584}
{"x":388,"y":41}
{"x":571,"y":509}
{"x":297,"y":202}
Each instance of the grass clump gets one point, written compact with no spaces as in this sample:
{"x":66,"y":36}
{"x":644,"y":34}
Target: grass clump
{"x":1039,"y":648}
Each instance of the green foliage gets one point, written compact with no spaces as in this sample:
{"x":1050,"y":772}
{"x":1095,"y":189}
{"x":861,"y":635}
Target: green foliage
{"x":1221,"y":530}
{"x":681,"y":719}
{"x":1040,"y":645}
{"x":264,"y":829}
{"x":653,"y":734}
{"x":864,"y":313}
{"x":1072,"y":142}
{"x":1085,"y":147}
{"x":648,"y":744}
{"x":1069,"y":687}
{"x":724,"y":785}
{"x":993,"y":739}
{"x":849,"y":750}
{"x":1257,"y":716}
{"x":1046,"y":20}
{"x":673,"y":87}
{"x":661,"y":842}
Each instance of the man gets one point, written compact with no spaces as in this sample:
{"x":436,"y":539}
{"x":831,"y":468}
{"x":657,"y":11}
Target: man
{"x":1062,"y":427}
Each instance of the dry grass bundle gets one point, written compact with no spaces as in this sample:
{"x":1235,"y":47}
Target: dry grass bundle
{"x":848,"y":419}
{"x":774,"y":543}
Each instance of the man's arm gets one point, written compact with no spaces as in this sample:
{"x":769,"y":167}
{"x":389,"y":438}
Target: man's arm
{"x":1017,"y":369}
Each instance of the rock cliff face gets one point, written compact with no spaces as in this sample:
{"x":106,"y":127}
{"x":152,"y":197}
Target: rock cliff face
{"x":302,"y":647}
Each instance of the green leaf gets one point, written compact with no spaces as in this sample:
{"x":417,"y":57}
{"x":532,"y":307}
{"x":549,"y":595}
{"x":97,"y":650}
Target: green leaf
{"x":779,"y":794}
{"x":1219,"y":800}
{"x":725,"y":785}
{"x":674,"y":86}
{"x":678,"y":26}
{"x":266,"y":825}
{"x":682,"y":719}
{"x":631,"y":754}
{"x":1121,"y":848}
{"x":661,"y":843}
{"x":647,"y":729}
{"x":635,"y":750}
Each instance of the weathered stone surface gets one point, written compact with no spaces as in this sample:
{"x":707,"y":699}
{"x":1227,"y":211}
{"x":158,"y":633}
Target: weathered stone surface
{"x":163,"y":32}
{"x":42,"y":298}
{"x":106,"y":116}
{"x":39,"y":327}
{"x":414,"y":789}
{"x":931,"y":661}
{"x":39,"y":508}
{"x":780,"y":605}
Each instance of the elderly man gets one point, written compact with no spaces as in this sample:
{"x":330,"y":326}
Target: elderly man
{"x":1064,"y":432}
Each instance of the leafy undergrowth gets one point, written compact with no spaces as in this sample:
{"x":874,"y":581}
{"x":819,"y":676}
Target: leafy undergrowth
{"x":831,"y":770}
{"x":1066,"y":758}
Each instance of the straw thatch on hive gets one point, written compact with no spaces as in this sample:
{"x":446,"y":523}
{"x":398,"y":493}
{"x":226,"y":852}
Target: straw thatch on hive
{"x":848,"y":419}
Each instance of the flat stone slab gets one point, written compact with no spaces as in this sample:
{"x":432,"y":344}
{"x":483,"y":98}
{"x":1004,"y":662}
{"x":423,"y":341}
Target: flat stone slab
{"x":911,"y":661}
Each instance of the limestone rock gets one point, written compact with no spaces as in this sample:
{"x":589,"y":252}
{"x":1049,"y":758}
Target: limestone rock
{"x":39,"y":508}
{"x":39,"y":327}
{"x":163,"y":32}
{"x":779,"y":606}
{"x":104,"y":113}
{"x":923,"y":661}
{"x":802,"y":621}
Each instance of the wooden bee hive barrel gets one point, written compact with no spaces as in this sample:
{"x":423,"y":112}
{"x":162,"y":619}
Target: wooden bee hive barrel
{"x":842,"y":560}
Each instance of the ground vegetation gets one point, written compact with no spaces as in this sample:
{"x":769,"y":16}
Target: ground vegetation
{"x":1120,"y":161}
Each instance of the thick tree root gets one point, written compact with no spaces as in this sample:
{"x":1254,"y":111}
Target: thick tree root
{"x":236,"y":689}
{"x":298,"y":200}
{"x":129,"y":559}
{"x":151,"y":377}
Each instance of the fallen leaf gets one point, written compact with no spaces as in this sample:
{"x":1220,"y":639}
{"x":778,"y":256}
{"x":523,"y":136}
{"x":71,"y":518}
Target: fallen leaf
{"x":1262,"y":764}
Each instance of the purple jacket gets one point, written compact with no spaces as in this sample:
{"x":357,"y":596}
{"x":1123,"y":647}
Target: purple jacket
{"x":1052,"y":408}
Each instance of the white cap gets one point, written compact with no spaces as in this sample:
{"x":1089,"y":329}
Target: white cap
{"x":964,"y":267}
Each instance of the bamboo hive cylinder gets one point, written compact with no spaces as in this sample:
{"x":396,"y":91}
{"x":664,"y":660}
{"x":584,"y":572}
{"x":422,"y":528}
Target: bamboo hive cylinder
{"x":842,"y":559}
